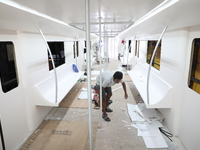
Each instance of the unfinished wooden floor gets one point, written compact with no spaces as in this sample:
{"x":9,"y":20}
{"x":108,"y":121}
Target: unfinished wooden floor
{"x":66,"y":127}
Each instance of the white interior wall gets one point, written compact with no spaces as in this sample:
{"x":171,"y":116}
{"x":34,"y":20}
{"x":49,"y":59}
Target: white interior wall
{"x":132,"y":54}
{"x":189,"y":122}
{"x":12,"y":103}
{"x":142,"y":52}
{"x":80,"y":59}
{"x":173,"y":53}
{"x":133,"y":47}
{"x":175,"y":57}
{"x":35,"y":69}
{"x":69,"y":57}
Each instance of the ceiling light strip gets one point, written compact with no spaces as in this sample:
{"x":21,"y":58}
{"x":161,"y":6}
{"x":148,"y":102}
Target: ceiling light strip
{"x":32,"y":11}
{"x":156,"y":10}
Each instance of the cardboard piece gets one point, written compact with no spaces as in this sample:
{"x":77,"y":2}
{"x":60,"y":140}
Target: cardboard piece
{"x":60,"y":135}
{"x":71,"y":99}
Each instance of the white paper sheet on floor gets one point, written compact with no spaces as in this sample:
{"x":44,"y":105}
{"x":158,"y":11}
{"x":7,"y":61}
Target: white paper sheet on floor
{"x":155,"y":141}
{"x":134,"y":113}
{"x":148,"y":130}
{"x":144,"y":126}
{"x":151,"y":132}
{"x":83,"y":94}
{"x":95,"y":72}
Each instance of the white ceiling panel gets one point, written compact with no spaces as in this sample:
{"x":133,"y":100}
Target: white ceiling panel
{"x":116,"y":16}
{"x":15,"y":19}
{"x":68,"y":11}
{"x":185,"y":13}
{"x":74,"y":11}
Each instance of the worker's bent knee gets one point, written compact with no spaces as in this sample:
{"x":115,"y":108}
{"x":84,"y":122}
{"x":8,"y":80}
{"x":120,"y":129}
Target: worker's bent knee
{"x":109,"y":95}
{"x":104,"y":99}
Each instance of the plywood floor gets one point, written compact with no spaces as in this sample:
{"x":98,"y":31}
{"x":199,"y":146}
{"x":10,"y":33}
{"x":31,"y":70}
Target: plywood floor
{"x":59,"y":135}
{"x":71,"y":99}
{"x":65,"y":119}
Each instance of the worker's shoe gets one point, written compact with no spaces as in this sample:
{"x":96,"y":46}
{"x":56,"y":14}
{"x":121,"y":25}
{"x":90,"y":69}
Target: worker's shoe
{"x":109,"y":110}
{"x":109,"y":102}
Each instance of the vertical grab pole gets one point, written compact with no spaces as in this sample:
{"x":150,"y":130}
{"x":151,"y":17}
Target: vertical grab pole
{"x":154,"y":52}
{"x":107,"y":52}
{"x":100,"y":73}
{"x":54,"y":68}
{"x":104,"y":48}
{"x":87,"y":14}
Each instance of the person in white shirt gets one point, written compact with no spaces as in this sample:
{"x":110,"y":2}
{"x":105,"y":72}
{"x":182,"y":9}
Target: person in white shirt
{"x":109,"y":79}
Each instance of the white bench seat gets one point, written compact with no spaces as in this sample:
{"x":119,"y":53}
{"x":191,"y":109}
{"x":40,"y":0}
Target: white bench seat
{"x":124,"y":61}
{"x":160,"y":92}
{"x":45,"y":90}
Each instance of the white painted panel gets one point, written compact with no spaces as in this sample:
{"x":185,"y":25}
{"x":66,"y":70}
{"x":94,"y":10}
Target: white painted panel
{"x":12,"y":104}
{"x":142,"y":52}
{"x":160,"y":92}
{"x":45,"y":90}
{"x":189,"y":121}
{"x":20,"y":19}
{"x":173,"y":54}
{"x":68,"y":46}
{"x":34,"y":69}
{"x":74,"y":11}
{"x":155,"y":142}
{"x":178,"y":16}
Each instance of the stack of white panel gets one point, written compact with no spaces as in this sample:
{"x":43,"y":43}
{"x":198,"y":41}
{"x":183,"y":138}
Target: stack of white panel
{"x":146,"y":121}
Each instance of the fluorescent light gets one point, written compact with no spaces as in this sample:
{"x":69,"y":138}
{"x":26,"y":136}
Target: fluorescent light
{"x":32,"y":11}
{"x":156,"y":10}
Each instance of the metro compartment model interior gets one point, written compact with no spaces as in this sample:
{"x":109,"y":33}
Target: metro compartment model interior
{"x":156,"y":44}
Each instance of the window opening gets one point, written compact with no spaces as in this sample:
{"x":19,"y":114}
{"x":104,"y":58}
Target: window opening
{"x":58,"y":53}
{"x":8,"y":74}
{"x":85,"y":49}
{"x":77,"y":49}
{"x":150,"y":48}
{"x":74,"y":52}
{"x":129,"y":46}
{"x":194,"y":81}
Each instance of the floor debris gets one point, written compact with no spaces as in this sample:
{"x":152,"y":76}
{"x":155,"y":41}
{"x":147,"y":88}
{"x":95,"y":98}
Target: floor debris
{"x":146,"y":121}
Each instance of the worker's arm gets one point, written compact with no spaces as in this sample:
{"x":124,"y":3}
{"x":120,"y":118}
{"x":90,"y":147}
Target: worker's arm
{"x":125,"y":93}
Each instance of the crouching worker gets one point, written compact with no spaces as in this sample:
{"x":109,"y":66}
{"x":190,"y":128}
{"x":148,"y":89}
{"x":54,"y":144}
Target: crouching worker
{"x":109,"y":79}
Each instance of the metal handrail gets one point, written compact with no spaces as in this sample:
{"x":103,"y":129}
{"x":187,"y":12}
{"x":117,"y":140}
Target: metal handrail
{"x":154,"y":52}
{"x":54,"y":68}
